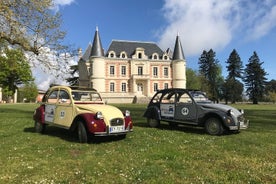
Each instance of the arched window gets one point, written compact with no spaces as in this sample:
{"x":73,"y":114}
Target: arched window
{"x":111,"y":54}
{"x":139,"y":55}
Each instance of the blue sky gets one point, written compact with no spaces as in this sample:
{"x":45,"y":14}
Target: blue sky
{"x":244,"y":25}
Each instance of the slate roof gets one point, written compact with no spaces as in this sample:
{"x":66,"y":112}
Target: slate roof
{"x":178,"y":51}
{"x":87,"y":53}
{"x":129,"y":47}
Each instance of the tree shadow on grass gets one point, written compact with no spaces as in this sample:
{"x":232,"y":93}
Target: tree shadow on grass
{"x":72,"y":136}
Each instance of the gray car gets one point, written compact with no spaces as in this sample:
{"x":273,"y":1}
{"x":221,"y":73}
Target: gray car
{"x":192,"y":107}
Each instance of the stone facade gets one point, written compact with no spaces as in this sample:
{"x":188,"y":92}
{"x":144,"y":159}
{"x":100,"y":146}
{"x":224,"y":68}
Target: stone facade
{"x":131,"y":71}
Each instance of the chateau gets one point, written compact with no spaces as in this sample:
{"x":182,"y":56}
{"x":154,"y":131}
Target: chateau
{"x":131,"y":70}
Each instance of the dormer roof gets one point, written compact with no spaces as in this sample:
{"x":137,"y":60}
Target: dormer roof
{"x":130,"y":47}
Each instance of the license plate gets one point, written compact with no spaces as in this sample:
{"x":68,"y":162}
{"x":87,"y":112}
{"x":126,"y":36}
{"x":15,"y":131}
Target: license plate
{"x":114,"y":129}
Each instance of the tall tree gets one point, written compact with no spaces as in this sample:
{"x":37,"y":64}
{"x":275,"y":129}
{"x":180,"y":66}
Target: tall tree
{"x":255,"y":79}
{"x":210,"y":69}
{"x":233,"y":88}
{"x":193,"y":79}
{"x":15,"y":69}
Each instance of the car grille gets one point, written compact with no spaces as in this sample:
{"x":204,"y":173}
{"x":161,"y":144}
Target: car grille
{"x":241,"y":118}
{"x":116,"y":122}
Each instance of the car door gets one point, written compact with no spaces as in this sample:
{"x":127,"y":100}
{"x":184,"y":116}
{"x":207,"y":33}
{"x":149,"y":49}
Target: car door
{"x":64,"y":109}
{"x":185,"y":108}
{"x":167,"y":106}
{"x":50,"y":105}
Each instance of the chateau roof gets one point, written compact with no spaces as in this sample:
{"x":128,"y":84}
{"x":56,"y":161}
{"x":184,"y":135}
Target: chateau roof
{"x":129,"y":47}
{"x":178,"y":53}
{"x":97,"y":49}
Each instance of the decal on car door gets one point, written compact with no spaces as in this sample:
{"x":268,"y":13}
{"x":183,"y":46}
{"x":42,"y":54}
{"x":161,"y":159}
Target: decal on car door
{"x":167,"y":110}
{"x":50,"y":113}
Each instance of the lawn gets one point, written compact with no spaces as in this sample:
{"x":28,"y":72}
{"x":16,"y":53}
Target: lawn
{"x":148,"y":155}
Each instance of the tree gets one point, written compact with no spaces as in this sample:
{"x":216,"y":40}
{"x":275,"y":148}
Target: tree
{"x":28,"y":92}
{"x":15,"y":70}
{"x":255,"y":79}
{"x":30,"y":24}
{"x":35,"y":27}
{"x":193,"y":79}
{"x":270,"y":90}
{"x":233,"y":88}
{"x":74,"y":79}
{"x":211,"y":73}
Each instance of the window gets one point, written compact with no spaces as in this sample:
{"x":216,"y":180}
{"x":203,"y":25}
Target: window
{"x":53,"y":97}
{"x":123,"y":55}
{"x":63,"y":95}
{"x":155,"y":71}
{"x":139,"y":55}
{"x":111,"y":70}
{"x":140,"y":70}
{"x":166,"y":72}
{"x":112,"y":87}
{"x":166,"y":86}
{"x":123,"y":87}
{"x":155,"y":87}
{"x":123,"y":70}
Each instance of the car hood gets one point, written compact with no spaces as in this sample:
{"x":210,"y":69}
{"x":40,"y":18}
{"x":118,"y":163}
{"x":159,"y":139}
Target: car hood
{"x":221,"y":107}
{"x":109,"y":112}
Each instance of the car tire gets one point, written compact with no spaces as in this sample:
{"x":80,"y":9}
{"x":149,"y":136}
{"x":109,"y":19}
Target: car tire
{"x":153,"y":122}
{"x":39,"y":127}
{"x":213,"y":126}
{"x":82,"y":133}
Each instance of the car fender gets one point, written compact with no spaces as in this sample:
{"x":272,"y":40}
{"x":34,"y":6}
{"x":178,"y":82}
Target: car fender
{"x":152,"y":112}
{"x":90,"y":121}
{"x":215,"y":114}
{"x":39,"y":114}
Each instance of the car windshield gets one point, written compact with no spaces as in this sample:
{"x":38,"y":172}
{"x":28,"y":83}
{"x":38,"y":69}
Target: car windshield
{"x":199,"y":97}
{"x":86,"y":96}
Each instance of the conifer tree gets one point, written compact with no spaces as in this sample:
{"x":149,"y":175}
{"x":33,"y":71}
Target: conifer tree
{"x":255,"y":79}
{"x":233,"y":88}
{"x":210,"y":69}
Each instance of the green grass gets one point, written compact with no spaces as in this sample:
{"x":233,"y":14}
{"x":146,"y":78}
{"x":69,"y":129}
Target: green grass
{"x":148,"y":155}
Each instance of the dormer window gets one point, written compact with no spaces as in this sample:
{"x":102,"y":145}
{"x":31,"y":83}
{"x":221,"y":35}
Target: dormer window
{"x":165,"y":57}
{"x":139,"y":55}
{"x":111,"y":54}
{"x":155,"y":56}
{"x":123,"y":55}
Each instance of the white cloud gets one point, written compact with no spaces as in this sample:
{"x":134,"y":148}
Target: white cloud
{"x":205,"y":24}
{"x":59,"y":3}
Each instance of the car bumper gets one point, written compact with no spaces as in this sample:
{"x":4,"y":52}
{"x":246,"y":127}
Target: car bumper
{"x":242,"y":125}
{"x":108,"y":133}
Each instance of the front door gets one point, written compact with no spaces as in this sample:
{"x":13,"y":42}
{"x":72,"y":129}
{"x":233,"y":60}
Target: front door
{"x":140,"y":88}
{"x":64,"y":110}
{"x":185,"y":108}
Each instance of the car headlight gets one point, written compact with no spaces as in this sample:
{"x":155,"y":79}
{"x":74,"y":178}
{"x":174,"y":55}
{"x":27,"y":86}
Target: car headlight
{"x":241,"y":111}
{"x":127,"y":113}
{"x":230,"y":112}
{"x":99,"y":115}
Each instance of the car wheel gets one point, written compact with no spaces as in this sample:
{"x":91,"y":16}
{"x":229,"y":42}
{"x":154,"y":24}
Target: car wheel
{"x":82,"y":133}
{"x":153,"y":122}
{"x":213,"y":126}
{"x":39,"y":127}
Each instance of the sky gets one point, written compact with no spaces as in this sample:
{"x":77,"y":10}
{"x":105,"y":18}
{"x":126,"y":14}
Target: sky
{"x":221,"y":25}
